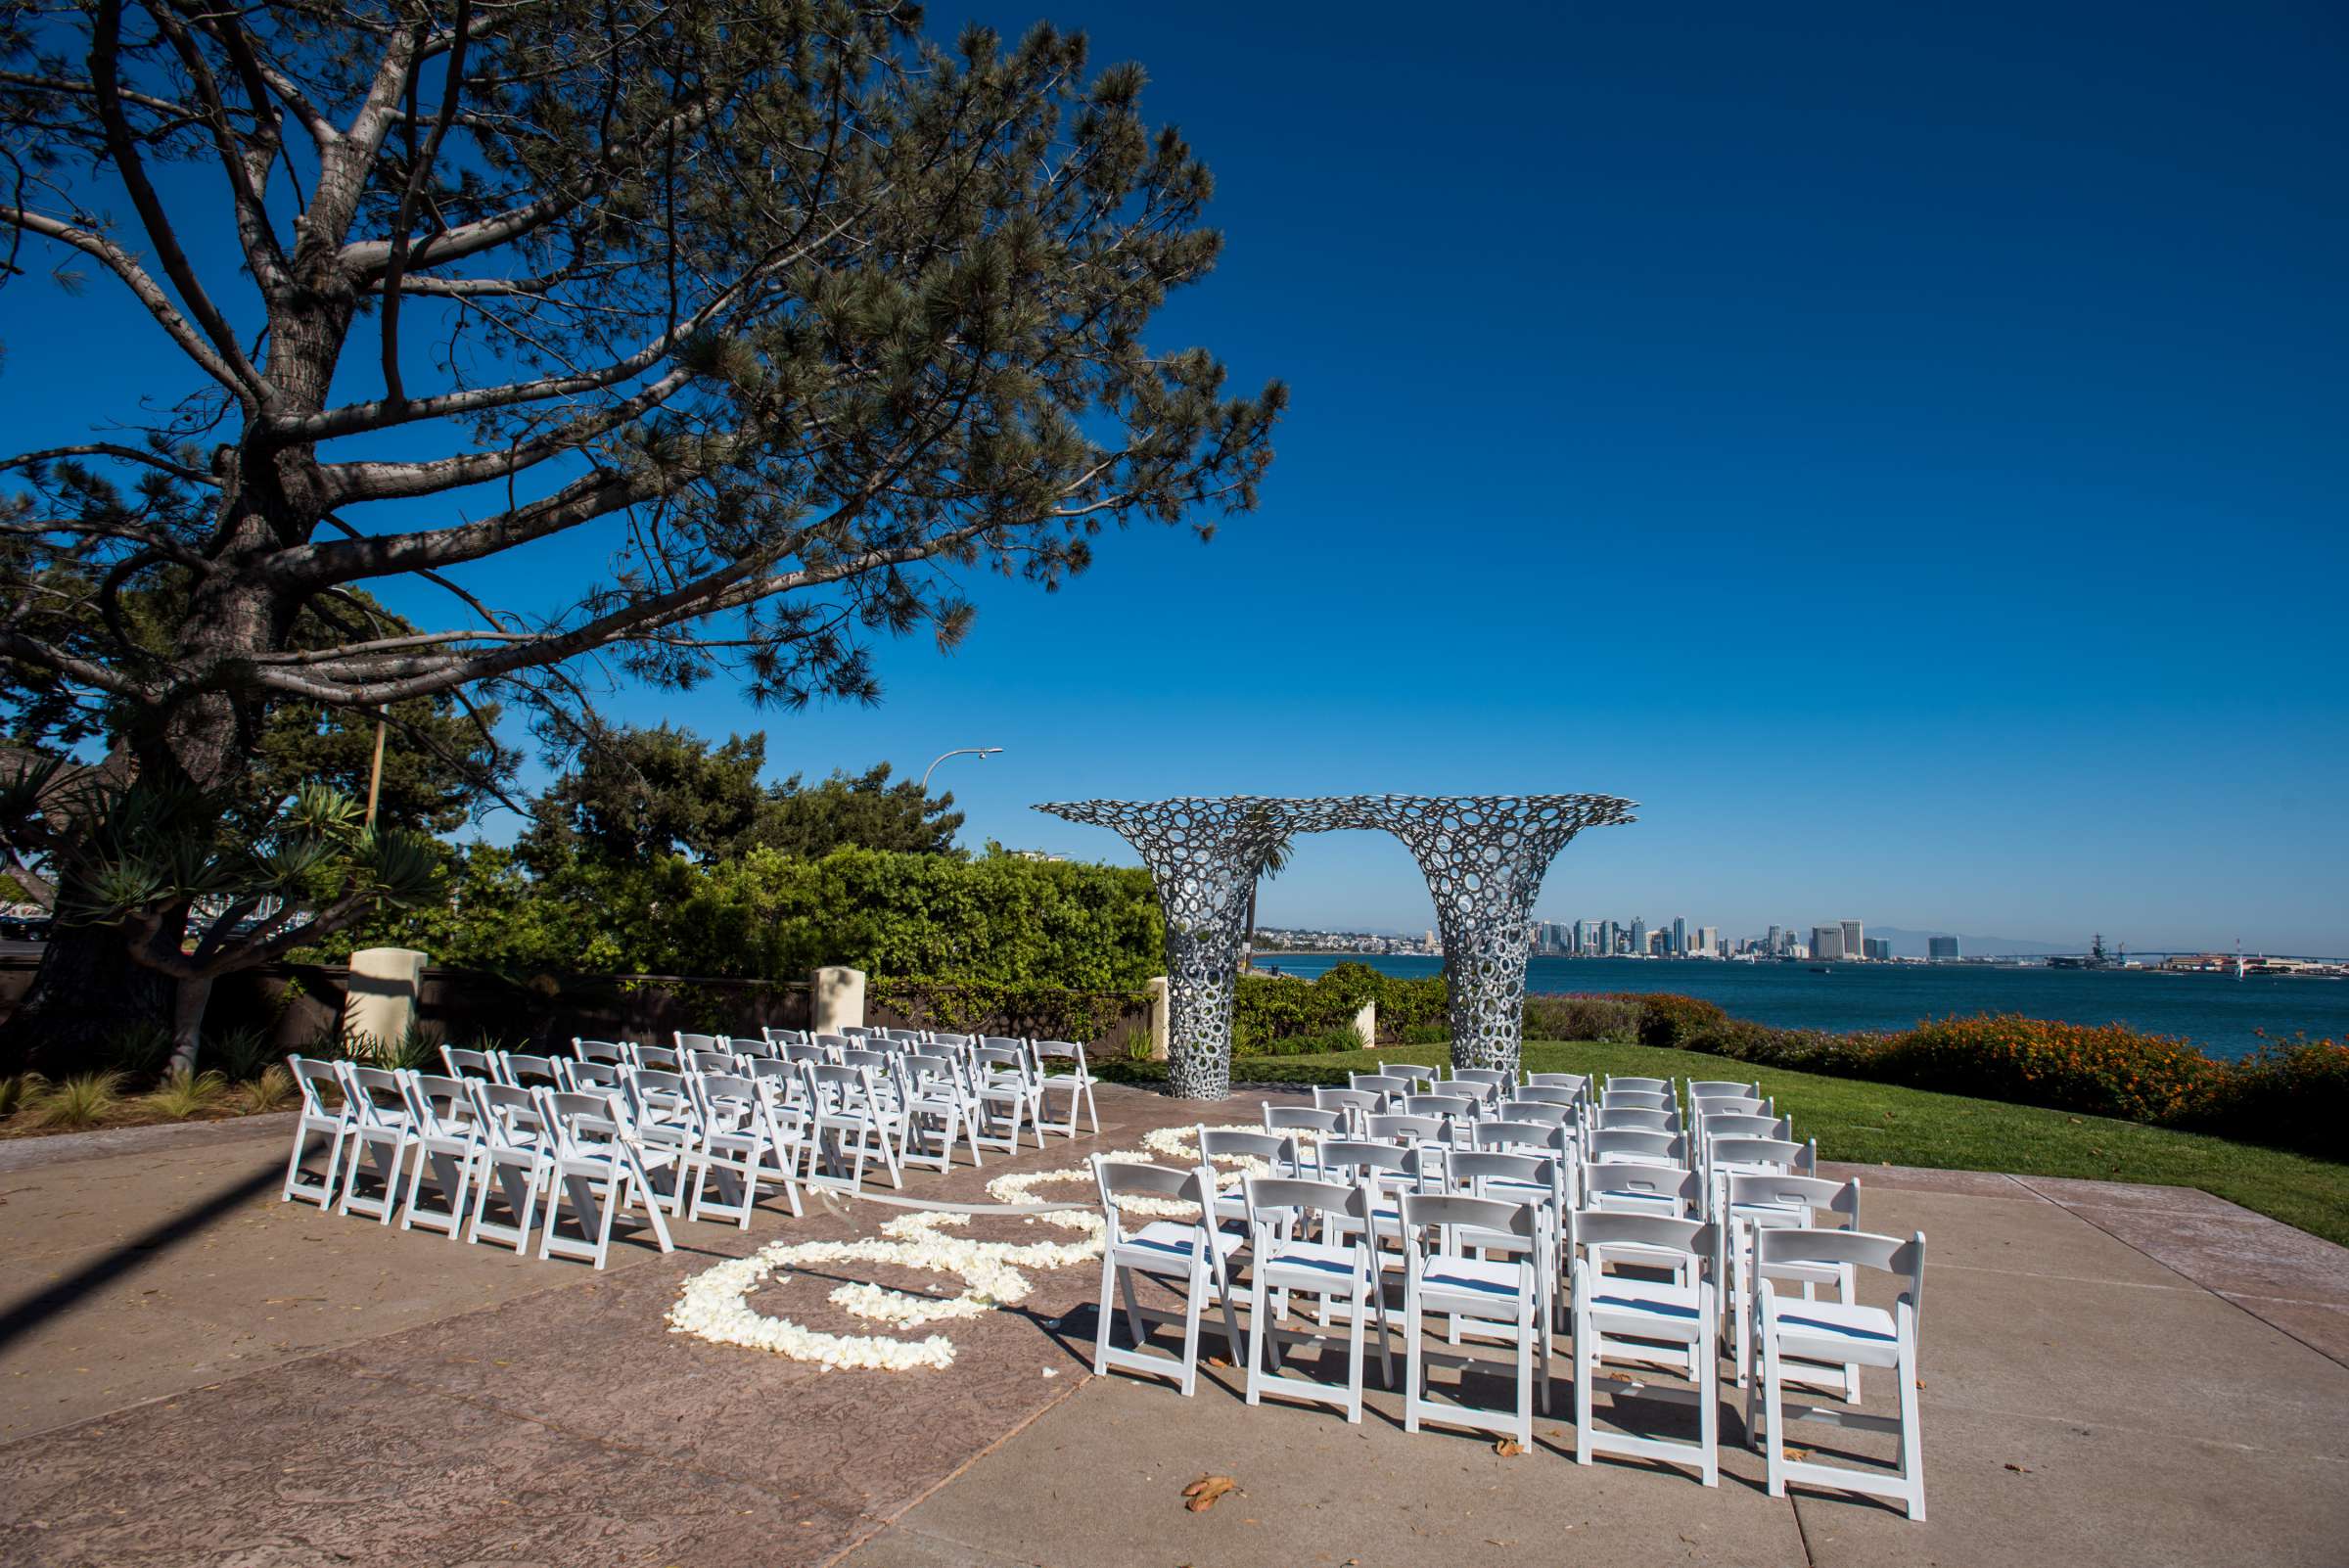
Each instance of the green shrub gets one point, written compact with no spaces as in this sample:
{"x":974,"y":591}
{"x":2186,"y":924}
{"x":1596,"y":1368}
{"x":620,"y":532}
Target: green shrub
{"x":242,"y":1054}
{"x":1571,"y":1017}
{"x":1321,"y":1042}
{"x":972,"y":1007}
{"x":1424,"y":1035}
{"x":2104,"y":1070}
{"x":1668,"y":1019}
{"x":1270,"y":1007}
{"x":16,"y":1089}
{"x":82,"y":1100}
{"x":2293,"y":1093}
{"x":137,"y":1050}
{"x":183,"y":1094}
{"x":272,"y":1091}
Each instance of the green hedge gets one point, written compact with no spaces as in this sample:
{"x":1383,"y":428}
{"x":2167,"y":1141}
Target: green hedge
{"x":1269,"y":1011}
{"x":1041,"y":1012}
{"x":998,"y":920}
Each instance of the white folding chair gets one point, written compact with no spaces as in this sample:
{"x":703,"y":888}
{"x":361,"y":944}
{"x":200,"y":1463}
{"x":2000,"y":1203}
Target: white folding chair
{"x":1353,"y":1104}
{"x":516,"y":1157}
{"x":1006,"y":1095}
{"x":462,"y":1063}
{"x":1445,"y":1239}
{"x":1077,"y":1083}
{"x":1423,"y":1078}
{"x":609,"y":1051}
{"x":1491,"y":1084}
{"x":598,"y":1167}
{"x":744,"y":1138}
{"x":528,"y":1070}
{"x":1818,"y":1335}
{"x":938,"y":1106}
{"x":380,"y":1136}
{"x":849,"y":1123}
{"x":1284,"y":1262}
{"x":447,"y":1140}
{"x":1746,"y":1201}
{"x":1645,"y":1323}
{"x":313,"y":1081}
{"x":1195,"y":1252}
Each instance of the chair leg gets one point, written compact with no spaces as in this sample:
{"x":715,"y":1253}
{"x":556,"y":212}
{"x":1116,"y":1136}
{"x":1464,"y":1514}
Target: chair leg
{"x":1354,"y":1358}
{"x":1195,"y":1301}
{"x":1102,"y":1316}
{"x":1913,"y":1431}
{"x":1410,"y":1358}
{"x":1257,"y":1335}
{"x":1586,"y":1370}
{"x":1773,"y":1404}
{"x":1708,"y":1394}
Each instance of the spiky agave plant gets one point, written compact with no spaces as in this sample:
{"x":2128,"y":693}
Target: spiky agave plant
{"x":199,"y":891}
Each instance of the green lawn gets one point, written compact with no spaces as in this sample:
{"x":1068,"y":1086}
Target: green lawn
{"x":1883,"y":1124}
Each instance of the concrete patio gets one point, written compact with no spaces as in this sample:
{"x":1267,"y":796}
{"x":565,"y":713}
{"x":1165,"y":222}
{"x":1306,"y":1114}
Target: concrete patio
{"x":199,"y":1374}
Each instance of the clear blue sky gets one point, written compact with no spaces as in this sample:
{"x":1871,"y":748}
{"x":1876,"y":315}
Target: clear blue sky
{"x":1902,"y":447}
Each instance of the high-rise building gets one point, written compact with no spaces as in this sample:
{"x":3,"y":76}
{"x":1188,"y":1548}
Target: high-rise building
{"x":1708,"y":942}
{"x":1639,"y":937}
{"x":1826,"y":942}
{"x":1606,"y":939}
{"x":1853,"y":940}
{"x":1776,"y":941}
{"x":1941,"y":949}
{"x":1679,"y":936}
{"x":1586,"y":937}
{"x":1878,"y":947}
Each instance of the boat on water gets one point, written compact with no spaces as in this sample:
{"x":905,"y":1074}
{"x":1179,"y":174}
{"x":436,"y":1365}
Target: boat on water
{"x":1821,"y":969}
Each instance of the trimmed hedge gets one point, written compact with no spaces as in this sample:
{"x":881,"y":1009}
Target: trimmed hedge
{"x":1268,"y":1010}
{"x":971,"y":1006}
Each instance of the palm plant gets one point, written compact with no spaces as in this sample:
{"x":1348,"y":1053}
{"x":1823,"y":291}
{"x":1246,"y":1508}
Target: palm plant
{"x":201,"y":893}
{"x":1274,"y":863}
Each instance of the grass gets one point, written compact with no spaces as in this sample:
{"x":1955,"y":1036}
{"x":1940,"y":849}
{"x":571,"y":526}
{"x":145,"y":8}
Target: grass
{"x":1881,"y":1123}
{"x":182,"y":1094}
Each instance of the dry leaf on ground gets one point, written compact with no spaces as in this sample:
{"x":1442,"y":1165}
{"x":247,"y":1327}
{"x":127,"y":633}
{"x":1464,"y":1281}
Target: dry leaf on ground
{"x":1204,"y":1492}
{"x":1508,"y":1447}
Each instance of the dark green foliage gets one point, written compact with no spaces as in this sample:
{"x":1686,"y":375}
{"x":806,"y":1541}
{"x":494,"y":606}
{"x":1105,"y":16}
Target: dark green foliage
{"x":632,"y":795}
{"x":1551,"y":1017}
{"x":1670,"y":1020}
{"x":994,"y":920}
{"x":1270,"y":1007}
{"x":1038,"y":1011}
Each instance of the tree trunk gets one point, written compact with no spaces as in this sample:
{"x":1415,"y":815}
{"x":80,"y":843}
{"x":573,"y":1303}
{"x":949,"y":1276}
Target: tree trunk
{"x":187,"y":1001}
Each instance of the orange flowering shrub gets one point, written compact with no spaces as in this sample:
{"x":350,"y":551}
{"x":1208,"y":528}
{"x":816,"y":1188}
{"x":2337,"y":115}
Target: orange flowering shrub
{"x":2103,"y":1069}
{"x":2291,"y":1093}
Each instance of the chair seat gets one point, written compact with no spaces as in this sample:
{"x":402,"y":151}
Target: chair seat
{"x":1333,"y":1261}
{"x":1837,"y":1331}
{"x":1657,"y":1310}
{"x":1483,"y":1276}
{"x":1173,"y":1238}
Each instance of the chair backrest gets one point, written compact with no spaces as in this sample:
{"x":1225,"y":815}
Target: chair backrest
{"x":660,"y":1057}
{"x":598,"y":1050}
{"x":311,"y":1079}
{"x":1543,"y":1110}
{"x":878,"y":1061}
{"x":1608,"y":1227}
{"x":1815,"y":1195}
{"x":1639,"y":1188}
{"x":1783,"y":1154}
{"x":1715,"y":1126}
{"x":1377,"y":1083}
{"x":595,"y":1078}
{"x":910,"y":1037}
{"x":1369,"y":1160}
{"x":941,"y":1038}
{"x":1303,"y":1118}
{"x":1450,"y":1106}
{"x":1717,"y":1087}
{"x":1473,"y":1169}
{"x":522,"y":1069}
{"x":1410,"y":1070}
{"x":744,"y":1046}
{"x":1003,"y":1043}
{"x":686,"y":1041}
{"x":1550,"y":1093}
{"x":440,"y":1106}
{"x":1117,"y":1177}
{"x":462,"y":1063}
{"x":1704,"y":1105}
{"x":1571,"y":1082}
{"x":1239,"y":1143}
{"x":713,"y":1061}
{"x":1615,"y":1100}
{"x":1780,"y":1248}
{"x":806,"y":1053}
{"x":1276,"y":1200}
{"x":859,"y":1030}
{"x":1508,"y":1133}
{"x":1358,"y":1101}
{"x":774,"y":1070}
{"x":1405,"y":1129}
{"x":784,"y":1037}
{"x":1613,"y":1117}
{"x":1060,"y":1051}
{"x":1637,"y":1143}
{"x":506,"y":1112}
{"x":1424,"y":1210}
{"x":582,"y":1123}
{"x":1650,"y":1086}
{"x":1488,"y":1076}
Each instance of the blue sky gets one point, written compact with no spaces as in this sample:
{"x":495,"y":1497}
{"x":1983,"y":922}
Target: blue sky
{"x":1901,"y":446}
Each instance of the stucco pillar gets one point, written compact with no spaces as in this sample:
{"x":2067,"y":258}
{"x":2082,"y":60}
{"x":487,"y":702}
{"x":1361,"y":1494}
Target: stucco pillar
{"x":837,"y":998}
{"x":1366,"y":1023}
{"x":379,"y":999}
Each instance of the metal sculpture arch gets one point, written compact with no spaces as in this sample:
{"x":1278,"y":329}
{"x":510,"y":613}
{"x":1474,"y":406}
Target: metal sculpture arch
{"x":1484,"y":858}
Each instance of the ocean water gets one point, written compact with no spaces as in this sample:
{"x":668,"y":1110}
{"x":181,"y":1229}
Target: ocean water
{"x":2218,"y":1013}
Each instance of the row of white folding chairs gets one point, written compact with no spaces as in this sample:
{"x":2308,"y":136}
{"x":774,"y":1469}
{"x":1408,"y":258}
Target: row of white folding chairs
{"x":1446,"y":1239}
{"x":463,"y":1136}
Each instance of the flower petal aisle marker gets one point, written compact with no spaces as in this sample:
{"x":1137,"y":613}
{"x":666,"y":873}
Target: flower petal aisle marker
{"x":715,"y":1304}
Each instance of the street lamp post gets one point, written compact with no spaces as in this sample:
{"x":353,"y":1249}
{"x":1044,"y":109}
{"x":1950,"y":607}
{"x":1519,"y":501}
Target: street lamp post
{"x":981,"y":751}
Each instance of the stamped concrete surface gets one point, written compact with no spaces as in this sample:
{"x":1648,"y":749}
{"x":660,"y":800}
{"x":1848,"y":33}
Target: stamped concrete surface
{"x":195,"y":1373}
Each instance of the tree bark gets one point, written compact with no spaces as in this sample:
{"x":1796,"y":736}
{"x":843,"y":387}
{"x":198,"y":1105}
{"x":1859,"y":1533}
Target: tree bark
{"x":187,"y":1001}
{"x":87,"y":989}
